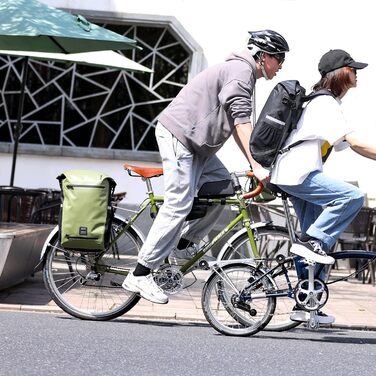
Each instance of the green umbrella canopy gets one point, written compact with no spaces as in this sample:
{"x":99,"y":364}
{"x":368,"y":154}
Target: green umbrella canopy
{"x":29,"y":25}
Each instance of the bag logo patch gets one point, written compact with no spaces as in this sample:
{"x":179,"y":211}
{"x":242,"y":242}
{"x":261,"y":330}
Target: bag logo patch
{"x":83,"y":231}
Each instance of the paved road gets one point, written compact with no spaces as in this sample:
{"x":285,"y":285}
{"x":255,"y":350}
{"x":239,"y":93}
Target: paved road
{"x":49,"y":344}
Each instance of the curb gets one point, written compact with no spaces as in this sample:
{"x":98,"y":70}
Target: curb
{"x":176,"y":318}
{"x":369,"y":328}
{"x":29,"y":308}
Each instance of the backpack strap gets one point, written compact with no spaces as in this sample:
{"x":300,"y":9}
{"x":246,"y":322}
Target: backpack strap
{"x":285,"y":150}
{"x":318,"y":93}
{"x":308,"y":99}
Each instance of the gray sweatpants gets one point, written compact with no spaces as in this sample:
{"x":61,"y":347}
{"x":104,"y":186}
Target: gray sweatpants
{"x":184,"y":173}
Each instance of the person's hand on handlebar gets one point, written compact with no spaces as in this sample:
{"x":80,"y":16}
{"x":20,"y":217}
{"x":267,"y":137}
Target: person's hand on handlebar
{"x":261,"y":173}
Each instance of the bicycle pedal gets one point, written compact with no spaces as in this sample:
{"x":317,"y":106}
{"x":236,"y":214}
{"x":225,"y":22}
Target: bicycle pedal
{"x":313,"y":323}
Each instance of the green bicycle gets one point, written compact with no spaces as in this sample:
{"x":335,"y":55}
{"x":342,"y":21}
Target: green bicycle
{"x":87,"y":285}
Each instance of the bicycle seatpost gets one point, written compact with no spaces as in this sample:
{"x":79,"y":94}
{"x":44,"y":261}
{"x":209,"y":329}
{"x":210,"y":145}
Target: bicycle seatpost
{"x":289,"y":222}
{"x":148,"y":185}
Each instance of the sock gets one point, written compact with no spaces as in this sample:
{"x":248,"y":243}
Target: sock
{"x":184,"y":243}
{"x":141,"y":270}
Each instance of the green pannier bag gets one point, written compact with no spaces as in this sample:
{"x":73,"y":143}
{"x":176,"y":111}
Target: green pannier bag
{"x":86,"y":211}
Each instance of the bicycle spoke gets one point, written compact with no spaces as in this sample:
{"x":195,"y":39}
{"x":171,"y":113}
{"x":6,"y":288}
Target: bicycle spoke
{"x":87,"y":285}
{"x":270,"y":241}
{"x":224,"y":307}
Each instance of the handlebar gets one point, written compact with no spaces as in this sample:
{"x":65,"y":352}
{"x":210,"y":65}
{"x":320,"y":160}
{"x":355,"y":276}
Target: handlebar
{"x":258,"y":188}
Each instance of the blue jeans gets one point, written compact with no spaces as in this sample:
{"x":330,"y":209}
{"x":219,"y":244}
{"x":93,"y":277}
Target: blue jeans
{"x":325,"y":207}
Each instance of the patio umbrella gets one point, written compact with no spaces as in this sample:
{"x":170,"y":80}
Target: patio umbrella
{"x":28,"y":25}
{"x":108,"y":59}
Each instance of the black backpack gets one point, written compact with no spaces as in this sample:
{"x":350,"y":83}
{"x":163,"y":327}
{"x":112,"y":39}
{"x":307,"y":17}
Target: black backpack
{"x":278,"y":118}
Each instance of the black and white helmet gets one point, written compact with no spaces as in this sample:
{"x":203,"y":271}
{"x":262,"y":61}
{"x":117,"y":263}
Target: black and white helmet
{"x":267,"y":41}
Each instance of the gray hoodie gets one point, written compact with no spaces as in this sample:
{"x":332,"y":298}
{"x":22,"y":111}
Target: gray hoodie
{"x":203,"y":115}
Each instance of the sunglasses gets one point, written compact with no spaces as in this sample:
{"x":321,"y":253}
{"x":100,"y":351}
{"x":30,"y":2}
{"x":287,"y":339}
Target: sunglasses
{"x":280,"y":58}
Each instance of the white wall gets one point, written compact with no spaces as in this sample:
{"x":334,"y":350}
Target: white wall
{"x":34,"y":172}
{"x":311,"y":28}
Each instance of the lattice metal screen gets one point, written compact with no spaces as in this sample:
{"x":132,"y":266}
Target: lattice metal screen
{"x":71,"y":105}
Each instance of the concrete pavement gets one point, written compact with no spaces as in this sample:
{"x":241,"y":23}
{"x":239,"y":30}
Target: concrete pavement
{"x":352,"y":303}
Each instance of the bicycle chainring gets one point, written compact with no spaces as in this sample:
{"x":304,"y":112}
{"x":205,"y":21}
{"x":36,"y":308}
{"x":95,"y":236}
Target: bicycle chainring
{"x":311,"y":300}
{"x":169,"y":278}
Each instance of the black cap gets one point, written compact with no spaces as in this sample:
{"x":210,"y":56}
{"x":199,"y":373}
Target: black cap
{"x":335,"y":59}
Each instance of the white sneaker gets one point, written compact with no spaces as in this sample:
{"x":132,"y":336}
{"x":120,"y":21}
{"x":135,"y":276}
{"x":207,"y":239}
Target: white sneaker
{"x":311,"y":250}
{"x":304,"y":316}
{"x":146,"y":287}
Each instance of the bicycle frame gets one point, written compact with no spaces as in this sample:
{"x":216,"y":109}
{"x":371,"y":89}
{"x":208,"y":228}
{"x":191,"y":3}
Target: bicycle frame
{"x":280,"y":268}
{"x":240,"y":201}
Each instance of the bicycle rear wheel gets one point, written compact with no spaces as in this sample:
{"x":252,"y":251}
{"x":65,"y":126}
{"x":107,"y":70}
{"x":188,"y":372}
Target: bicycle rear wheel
{"x":82,"y":285}
{"x":226,"y":303}
{"x":270,"y":241}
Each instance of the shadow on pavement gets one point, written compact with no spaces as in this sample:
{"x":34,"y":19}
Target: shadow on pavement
{"x":323,"y":335}
{"x":30,"y":292}
{"x":146,"y":322}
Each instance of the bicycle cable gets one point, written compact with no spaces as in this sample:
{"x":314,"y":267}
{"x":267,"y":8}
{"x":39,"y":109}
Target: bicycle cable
{"x":364,"y":267}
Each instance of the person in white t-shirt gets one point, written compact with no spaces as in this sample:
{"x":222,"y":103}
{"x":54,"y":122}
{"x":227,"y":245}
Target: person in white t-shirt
{"x":325,"y":206}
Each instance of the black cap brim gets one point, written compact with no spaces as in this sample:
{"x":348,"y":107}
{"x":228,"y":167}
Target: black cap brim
{"x":357,"y":65}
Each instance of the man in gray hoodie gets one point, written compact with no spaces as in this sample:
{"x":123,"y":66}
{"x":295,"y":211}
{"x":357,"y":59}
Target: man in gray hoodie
{"x":214,"y":105}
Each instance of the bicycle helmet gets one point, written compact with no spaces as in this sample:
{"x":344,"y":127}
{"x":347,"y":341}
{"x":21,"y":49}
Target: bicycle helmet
{"x":268,"y":41}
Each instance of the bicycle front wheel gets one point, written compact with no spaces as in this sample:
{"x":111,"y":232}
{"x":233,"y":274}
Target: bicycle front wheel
{"x":87,"y":286}
{"x":270,"y":241}
{"x":227,"y":300}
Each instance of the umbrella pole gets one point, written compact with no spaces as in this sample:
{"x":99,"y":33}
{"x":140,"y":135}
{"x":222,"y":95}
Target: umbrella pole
{"x":18,"y":127}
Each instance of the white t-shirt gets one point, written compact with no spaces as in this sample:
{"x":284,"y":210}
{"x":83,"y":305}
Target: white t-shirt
{"x":322,"y":122}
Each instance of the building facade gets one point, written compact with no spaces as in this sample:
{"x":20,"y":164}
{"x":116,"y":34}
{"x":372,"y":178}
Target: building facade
{"x":85,"y":117}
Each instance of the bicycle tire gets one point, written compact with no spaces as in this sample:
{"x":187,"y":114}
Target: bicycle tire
{"x":220,"y":291}
{"x":271,"y":241}
{"x":67,"y":277}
